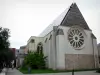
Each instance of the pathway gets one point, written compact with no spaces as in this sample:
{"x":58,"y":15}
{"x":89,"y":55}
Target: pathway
{"x":13,"y":72}
{"x":2,"y":73}
{"x":16,"y":72}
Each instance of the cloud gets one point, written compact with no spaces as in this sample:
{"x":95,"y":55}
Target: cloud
{"x":26,"y":18}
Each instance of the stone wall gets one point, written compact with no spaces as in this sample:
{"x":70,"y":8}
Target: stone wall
{"x":79,"y":61}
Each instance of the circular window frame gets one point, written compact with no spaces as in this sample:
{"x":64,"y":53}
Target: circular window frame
{"x":81,"y":30}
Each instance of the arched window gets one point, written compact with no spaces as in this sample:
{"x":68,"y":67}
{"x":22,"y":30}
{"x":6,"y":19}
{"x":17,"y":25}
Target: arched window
{"x":32,"y":40}
{"x":46,"y":40}
{"x":40,"y":48}
{"x":50,"y":37}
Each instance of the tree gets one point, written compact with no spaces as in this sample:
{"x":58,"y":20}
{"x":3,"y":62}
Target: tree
{"x":5,"y":53}
{"x":4,"y":35}
{"x":35,"y":60}
{"x":9,"y":57}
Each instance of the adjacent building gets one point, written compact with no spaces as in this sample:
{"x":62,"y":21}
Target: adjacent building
{"x":21,"y":55}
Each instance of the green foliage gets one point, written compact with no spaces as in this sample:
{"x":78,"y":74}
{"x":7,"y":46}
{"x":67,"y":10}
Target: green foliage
{"x":35,"y":60}
{"x":5,"y":54}
{"x":4,"y":35}
{"x":40,"y":71}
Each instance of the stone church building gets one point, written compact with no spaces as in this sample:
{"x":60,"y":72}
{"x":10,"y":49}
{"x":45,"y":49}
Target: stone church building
{"x":68,"y":42}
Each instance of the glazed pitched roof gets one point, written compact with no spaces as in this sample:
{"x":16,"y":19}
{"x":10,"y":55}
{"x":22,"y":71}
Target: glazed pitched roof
{"x":69,"y":17}
{"x":56,"y":22}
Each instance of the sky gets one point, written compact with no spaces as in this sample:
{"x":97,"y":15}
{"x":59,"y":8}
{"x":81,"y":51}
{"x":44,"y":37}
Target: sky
{"x":26,"y":18}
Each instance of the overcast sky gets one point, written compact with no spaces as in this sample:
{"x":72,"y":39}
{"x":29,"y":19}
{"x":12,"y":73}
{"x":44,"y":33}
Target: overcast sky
{"x":26,"y":18}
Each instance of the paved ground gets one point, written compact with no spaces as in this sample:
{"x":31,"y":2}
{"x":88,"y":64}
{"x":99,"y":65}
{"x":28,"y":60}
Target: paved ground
{"x":16,"y":72}
{"x":13,"y":72}
{"x":3,"y":71}
{"x":2,"y":74}
{"x":76,"y":73}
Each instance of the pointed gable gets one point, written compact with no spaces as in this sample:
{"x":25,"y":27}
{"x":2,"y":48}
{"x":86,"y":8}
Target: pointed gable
{"x":69,"y":17}
{"x":74,"y":17}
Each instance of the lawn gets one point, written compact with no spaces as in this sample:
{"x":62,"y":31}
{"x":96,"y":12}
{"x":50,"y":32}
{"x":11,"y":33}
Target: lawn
{"x":39,"y":71}
{"x":34,"y":71}
{"x":98,"y":71}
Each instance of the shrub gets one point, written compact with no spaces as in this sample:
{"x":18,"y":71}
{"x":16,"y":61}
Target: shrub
{"x":35,"y":60}
{"x":98,"y":70}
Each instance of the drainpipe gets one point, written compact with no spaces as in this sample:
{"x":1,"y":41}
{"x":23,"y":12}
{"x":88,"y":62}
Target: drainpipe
{"x":93,"y":53}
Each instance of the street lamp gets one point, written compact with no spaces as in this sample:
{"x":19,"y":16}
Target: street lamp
{"x":73,"y":68}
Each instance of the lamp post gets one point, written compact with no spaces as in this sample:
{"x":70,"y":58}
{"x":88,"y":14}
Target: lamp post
{"x":72,"y":62}
{"x":73,"y":72}
{"x":73,"y":68}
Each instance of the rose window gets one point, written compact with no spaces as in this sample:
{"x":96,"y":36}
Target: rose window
{"x":76,"y":37}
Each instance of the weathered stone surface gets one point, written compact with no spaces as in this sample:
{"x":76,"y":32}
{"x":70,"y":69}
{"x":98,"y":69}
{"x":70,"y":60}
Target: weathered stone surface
{"x":79,"y":61}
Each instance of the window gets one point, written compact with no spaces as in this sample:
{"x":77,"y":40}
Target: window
{"x":99,"y":59}
{"x":45,"y":40}
{"x":76,"y":37}
{"x":32,"y":40}
{"x":40,"y":48}
{"x":50,"y":37}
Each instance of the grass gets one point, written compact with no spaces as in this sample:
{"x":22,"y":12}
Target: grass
{"x":39,"y":71}
{"x":35,"y":71}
